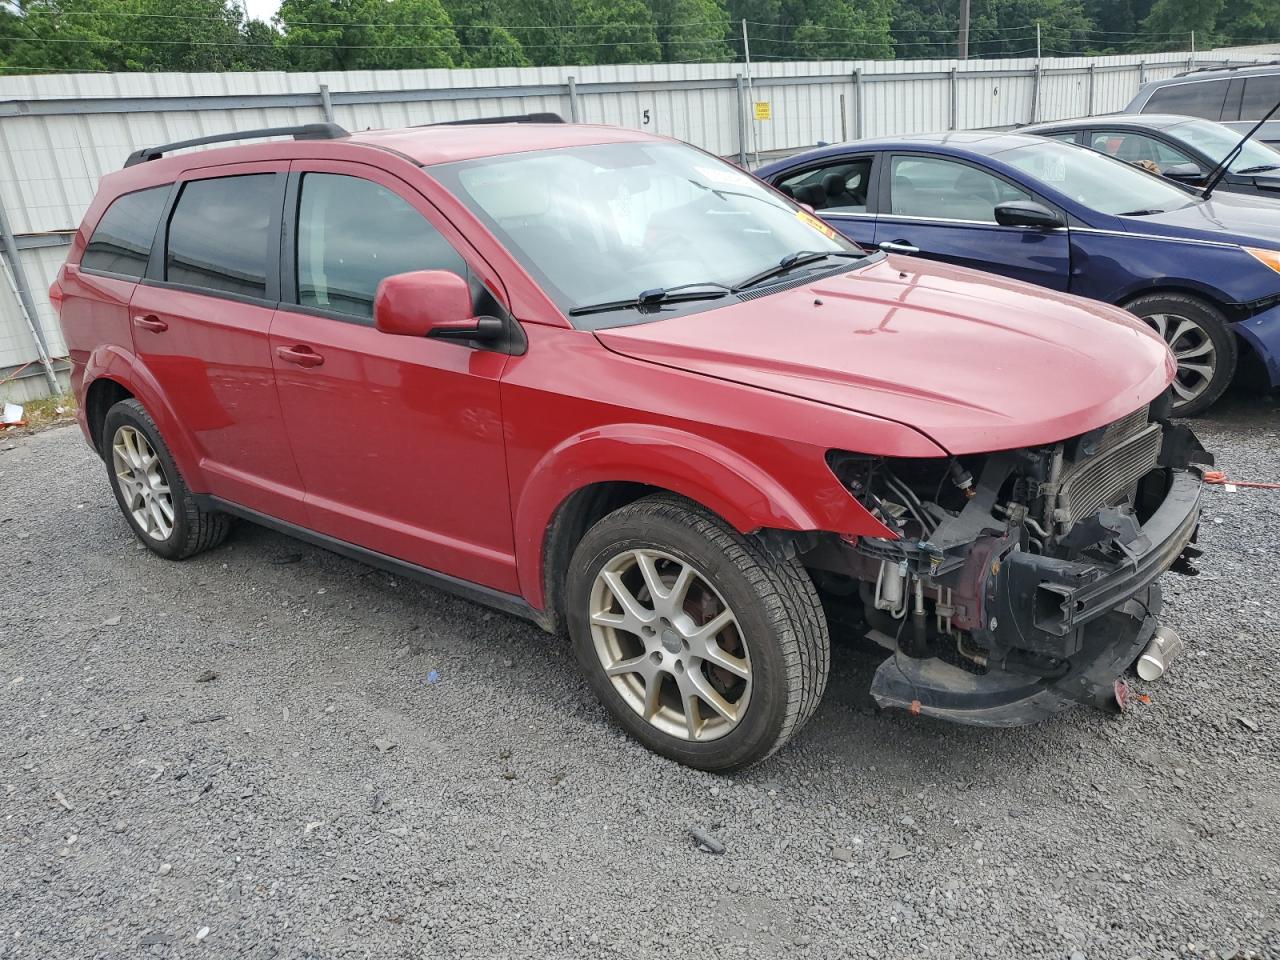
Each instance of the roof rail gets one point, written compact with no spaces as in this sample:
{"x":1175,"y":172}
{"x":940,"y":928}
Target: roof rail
{"x":515,"y":118}
{"x":305,"y":131}
{"x":1228,"y":67}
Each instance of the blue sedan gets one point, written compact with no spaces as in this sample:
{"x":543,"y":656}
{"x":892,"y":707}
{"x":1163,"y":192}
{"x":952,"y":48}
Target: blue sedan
{"x":1206,"y":274}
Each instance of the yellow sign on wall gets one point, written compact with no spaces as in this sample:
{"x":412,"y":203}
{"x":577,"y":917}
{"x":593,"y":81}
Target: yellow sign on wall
{"x":763,"y":110}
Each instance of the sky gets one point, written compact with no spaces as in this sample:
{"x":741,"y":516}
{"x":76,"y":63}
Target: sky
{"x":261,"y":9}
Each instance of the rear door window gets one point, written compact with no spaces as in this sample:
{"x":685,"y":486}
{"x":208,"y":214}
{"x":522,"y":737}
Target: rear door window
{"x":837,"y":187}
{"x":221,"y":237}
{"x":1260,"y":95}
{"x":352,"y":235}
{"x":121,"y":242}
{"x":1199,"y":98}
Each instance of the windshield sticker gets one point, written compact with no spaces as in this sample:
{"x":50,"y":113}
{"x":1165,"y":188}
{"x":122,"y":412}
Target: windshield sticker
{"x":804,"y":216}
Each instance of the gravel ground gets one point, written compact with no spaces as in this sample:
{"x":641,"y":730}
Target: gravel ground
{"x":269,"y":751}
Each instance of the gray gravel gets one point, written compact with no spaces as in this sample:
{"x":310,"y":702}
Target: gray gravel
{"x":243,"y":755}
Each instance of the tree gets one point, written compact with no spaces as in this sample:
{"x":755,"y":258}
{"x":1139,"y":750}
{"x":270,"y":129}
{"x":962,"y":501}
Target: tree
{"x":615,"y":31}
{"x":1007,"y":28}
{"x":1171,"y":22}
{"x":845,"y":30}
{"x":260,"y":49}
{"x":692,"y":29}
{"x":484,"y":41}
{"x":122,"y":35}
{"x":1242,"y":20}
{"x":367,"y":34}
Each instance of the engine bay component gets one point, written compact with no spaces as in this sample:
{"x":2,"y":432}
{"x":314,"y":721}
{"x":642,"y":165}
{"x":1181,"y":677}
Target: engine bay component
{"x":1032,"y":587}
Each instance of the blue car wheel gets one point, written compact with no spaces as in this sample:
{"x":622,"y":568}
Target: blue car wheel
{"x":1201,"y":341}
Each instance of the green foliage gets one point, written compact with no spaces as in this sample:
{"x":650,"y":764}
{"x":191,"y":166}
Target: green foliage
{"x":215,"y":35}
{"x":1170,"y":23}
{"x":484,"y":42}
{"x":367,"y":35}
{"x":692,"y":29}
{"x":132,"y":35}
{"x":615,"y":31}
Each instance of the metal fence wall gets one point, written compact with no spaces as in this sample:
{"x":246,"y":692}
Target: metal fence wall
{"x":60,"y":134}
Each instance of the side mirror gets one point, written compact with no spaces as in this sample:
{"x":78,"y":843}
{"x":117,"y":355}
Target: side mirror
{"x":1185,"y":173}
{"x":431,"y":303}
{"x":1027,"y":213}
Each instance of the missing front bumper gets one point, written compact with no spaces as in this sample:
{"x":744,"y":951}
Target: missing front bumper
{"x":1090,"y":622}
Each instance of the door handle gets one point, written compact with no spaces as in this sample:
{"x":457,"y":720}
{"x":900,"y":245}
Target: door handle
{"x":898,"y":246}
{"x":150,"y":322}
{"x":302,"y":356}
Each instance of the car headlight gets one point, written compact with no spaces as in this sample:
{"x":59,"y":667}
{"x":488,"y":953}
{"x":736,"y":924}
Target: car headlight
{"x":1270,"y":257}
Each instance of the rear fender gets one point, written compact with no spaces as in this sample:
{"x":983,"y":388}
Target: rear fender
{"x":741,"y":492}
{"x":113,"y":362}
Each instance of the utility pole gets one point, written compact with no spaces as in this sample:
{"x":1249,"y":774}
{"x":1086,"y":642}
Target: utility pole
{"x":746,"y":56}
{"x":964,"y":29}
{"x":1037,"y":39}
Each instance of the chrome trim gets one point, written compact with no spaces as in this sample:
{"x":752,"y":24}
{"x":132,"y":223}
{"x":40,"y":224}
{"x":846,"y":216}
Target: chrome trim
{"x":973,"y":223}
{"x":1153,"y":236}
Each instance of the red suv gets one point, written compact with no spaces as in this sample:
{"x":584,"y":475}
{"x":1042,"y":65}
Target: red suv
{"x":610,"y":383}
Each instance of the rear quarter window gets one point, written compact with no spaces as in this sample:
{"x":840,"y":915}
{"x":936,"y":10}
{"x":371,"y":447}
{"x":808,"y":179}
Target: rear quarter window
{"x":1260,"y":95}
{"x":121,"y":242}
{"x":1199,"y":98}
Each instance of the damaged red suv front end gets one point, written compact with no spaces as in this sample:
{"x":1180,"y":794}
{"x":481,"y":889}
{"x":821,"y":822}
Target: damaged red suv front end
{"x":1024,"y":581}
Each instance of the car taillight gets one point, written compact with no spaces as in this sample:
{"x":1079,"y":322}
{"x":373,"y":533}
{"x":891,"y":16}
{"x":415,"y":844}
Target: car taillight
{"x":55,"y":290}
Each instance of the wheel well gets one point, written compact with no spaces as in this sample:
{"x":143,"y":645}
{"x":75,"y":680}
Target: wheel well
{"x":102,"y":395}
{"x":1232,"y":311}
{"x":574,"y":517}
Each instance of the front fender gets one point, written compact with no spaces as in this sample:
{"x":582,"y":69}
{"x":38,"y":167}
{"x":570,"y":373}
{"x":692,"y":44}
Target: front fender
{"x":112,"y":362}
{"x":1262,"y":331}
{"x":748,"y":496}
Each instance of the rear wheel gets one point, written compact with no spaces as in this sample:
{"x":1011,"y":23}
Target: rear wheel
{"x":706,"y":648}
{"x":150,"y":490}
{"x":1201,"y":341}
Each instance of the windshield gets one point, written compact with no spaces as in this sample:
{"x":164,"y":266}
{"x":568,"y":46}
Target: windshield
{"x":1217,"y":141}
{"x":611,"y":222}
{"x":1096,"y":181}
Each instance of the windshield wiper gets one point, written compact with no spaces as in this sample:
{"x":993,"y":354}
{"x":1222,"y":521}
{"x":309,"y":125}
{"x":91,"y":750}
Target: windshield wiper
{"x":709,"y":290}
{"x":1220,"y":171}
{"x":1138,"y":213}
{"x":792,"y":260}
{"x":1259,"y":168}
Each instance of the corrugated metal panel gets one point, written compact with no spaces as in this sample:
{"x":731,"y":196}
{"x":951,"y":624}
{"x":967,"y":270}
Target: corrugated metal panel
{"x":50,"y":164}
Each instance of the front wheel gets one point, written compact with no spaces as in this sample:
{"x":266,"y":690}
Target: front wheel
{"x":1202,"y":344}
{"x":705,"y":647}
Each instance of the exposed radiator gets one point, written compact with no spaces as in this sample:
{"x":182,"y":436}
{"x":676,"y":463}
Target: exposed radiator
{"x":1101,"y":480}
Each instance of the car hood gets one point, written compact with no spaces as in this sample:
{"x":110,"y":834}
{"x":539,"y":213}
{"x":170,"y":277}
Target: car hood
{"x":976,"y":362}
{"x":1227,"y":218}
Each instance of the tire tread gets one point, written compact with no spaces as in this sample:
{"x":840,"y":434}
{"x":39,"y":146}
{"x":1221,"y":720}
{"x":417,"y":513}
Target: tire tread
{"x":204,"y":529}
{"x":784,"y":588}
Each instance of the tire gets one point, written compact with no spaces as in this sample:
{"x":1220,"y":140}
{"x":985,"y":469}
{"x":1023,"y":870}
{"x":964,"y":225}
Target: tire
{"x":144,"y":477}
{"x":768,"y":662}
{"x":1203,"y":344}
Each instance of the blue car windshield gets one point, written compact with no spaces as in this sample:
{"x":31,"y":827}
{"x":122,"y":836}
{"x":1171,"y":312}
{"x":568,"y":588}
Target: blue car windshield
{"x":1217,"y":141}
{"x":1099,"y":182}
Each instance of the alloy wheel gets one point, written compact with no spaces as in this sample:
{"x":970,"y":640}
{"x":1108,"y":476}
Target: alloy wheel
{"x":143,"y":485}
{"x":1192,"y":348}
{"x":670,"y":645}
